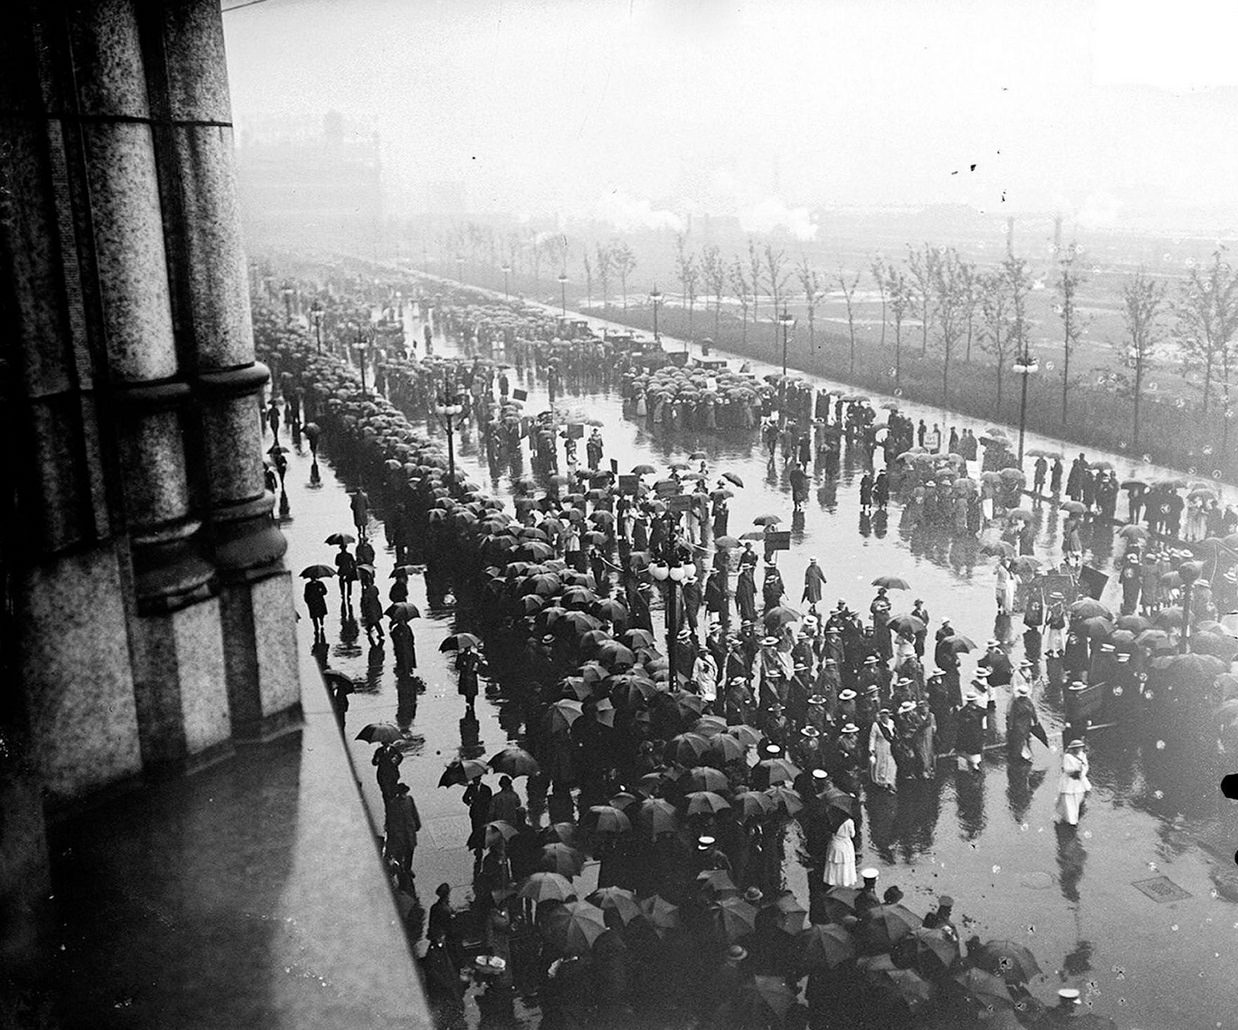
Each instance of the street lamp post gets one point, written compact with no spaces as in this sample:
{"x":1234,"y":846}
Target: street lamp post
{"x":316,"y":313}
{"x":655,"y":296}
{"x":563,"y":292}
{"x":671,"y":569}
{"x":287,"y":292}
{"x":361,"y":345}
{"x":448,"y":408}
{"x":507,"y":270}
{"x":460,"y":268}
{"x":787,"y":322}
{"x":1024,"y":365}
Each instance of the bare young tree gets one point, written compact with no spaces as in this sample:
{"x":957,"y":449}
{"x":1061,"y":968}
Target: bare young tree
{"x":605,"y":267}
{"x":1069,"y":279}
{"x":681,"y":266}
{"x":995,"y":334}
{"x":778,"y":278}
{"x":901,"y":298}
{"x":947,"y":294}
{"x":879,"y":270}
{"x":713,"y":270}
{"x":924,"y":268}
{"x":810,"y":283}
{"x":537,"y":250}
{"x":1142,"y":301}
{"x":847,"y":284}
{"x":970,"y":280}
{"x":513,"y":251}
{"x":691,"y":279}
{"x":756,"y":275}
{"x":739,"y":284}
{"x":1207,"y":316}
{"x":624,"y":262}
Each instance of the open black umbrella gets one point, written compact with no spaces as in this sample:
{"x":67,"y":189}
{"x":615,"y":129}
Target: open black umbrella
{"x":457,"y":641}
{"x":317,"y":572}
{"x":514,"y":761}
{"x":381,"y":733}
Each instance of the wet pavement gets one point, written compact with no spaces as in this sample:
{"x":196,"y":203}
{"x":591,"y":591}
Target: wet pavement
{"x":1138,"y":955}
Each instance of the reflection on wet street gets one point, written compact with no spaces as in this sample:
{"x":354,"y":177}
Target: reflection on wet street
{"x":988,"y":838}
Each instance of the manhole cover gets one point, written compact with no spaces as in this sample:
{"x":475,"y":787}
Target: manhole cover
{"x":1161,"y":889}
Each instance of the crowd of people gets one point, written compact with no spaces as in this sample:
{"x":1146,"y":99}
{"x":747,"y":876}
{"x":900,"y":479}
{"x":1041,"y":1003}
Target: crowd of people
{"x":687,"y":770}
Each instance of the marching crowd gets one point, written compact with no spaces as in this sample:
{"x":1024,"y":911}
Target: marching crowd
{"x":687,"y":771}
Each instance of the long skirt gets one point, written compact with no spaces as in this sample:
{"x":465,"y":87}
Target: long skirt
{"x":1067,"y":809}
{"x":840,"y":864}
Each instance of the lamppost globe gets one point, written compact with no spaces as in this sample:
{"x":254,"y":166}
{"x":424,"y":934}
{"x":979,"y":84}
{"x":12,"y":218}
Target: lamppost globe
{"x":655,"y":296}
{"x":448,"y":407}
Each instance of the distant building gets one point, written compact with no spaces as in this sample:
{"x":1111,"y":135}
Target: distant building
{"x":310,"y":186}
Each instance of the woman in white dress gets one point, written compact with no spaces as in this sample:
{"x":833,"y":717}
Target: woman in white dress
{"x":840,"y":856}
{"x":882,"y":769}
{"x":1072,"y":785}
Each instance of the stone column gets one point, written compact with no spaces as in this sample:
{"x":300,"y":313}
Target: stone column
{"x":176,"y":640}
{"x":194,"y":142}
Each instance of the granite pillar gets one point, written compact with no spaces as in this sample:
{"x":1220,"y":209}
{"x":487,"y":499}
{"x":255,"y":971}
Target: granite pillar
{"x":189,"y":92}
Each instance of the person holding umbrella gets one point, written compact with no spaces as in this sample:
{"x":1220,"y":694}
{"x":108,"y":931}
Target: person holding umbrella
{"x":316,"y":603}
{"x":360,"y":504}
{"x":1073,"y":784}
{"x":403,"y":644}
{"x":387,"y":761}
{"x":467,"y":663}
{"x":477,"y":796}
{"x":346,"y":569}
{"x":972,"y":722}
{"x":371,"y":611}
{"x":400,"y":832}
{"x":1022,"y":723}
{"x":814,"y":580}
{"x":840,"y":855}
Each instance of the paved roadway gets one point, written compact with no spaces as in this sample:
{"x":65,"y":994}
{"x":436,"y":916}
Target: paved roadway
{"x":990,"y":841}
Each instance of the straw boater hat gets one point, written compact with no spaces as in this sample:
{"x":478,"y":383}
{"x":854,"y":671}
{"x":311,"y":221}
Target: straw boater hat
{"x":736,"y":953}
{"x":817,"y":699}
{"x":850,"y":728}
{"x":705,"y":843}
{"x":846,"y":695}
{"x":870,"y":660}
{"x":769,"y":641}
{"x":1022,"y":690}
{"x":1076,"y":743}
{"x":753,"y":895}
{"x":1025,"y":664}
{"x":820,"y":774}
{"x":811,"y":732}
{"x":906,"y":706}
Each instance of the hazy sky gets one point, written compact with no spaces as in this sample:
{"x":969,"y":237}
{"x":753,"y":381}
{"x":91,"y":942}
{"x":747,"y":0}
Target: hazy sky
{"x":625,"y":107}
